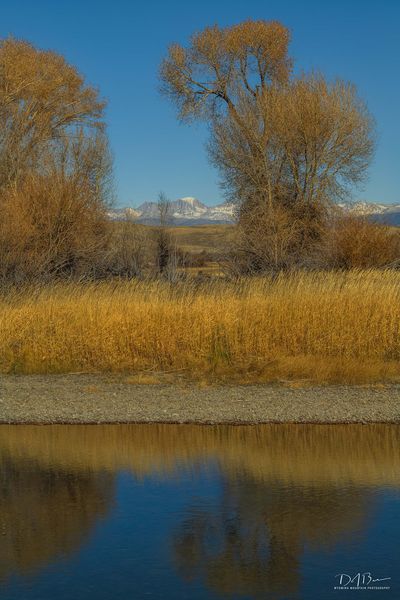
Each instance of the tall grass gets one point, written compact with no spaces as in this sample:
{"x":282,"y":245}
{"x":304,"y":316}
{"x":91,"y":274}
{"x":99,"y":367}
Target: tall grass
{"x":323,"y":326}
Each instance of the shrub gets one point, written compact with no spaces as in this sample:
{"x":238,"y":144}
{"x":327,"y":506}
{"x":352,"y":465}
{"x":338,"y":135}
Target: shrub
{"x":50,"y":226}
{"x":354,"y":242}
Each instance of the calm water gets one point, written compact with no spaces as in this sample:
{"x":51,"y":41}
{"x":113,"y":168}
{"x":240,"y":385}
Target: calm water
{"x":178,"y":511}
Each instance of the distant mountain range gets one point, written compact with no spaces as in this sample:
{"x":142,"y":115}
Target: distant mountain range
{"x":184,"y":211}
{"x":381,"y":213}
{"x":190,"y":211}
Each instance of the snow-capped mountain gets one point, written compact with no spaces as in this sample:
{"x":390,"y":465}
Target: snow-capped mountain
{"x":190,"y":211}
{"x":381,"y":213}
{"x":184,"y":211}
{"x":120,"y":214}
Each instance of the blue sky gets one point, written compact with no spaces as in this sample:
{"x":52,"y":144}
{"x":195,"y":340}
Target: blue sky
{"x":118,"y":46}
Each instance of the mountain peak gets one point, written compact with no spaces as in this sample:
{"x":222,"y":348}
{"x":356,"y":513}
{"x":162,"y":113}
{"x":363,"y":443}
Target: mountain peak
{"x":190,"y":211}
{"x":183,"y":211}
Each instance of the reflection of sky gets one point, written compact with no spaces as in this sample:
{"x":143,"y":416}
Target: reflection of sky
{"x":129,"y":553}
{"x":375,"y":549}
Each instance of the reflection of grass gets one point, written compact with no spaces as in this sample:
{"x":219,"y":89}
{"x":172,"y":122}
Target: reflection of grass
{"x":301,"y":454}
{"x":334,"y":327}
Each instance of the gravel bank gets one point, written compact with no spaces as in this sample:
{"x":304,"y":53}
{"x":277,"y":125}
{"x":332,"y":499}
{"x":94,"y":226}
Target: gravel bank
{"x":111,"y":399}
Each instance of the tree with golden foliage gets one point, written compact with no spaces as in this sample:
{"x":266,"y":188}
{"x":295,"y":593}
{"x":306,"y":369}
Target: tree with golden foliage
{"x":42,"y":98}
{"x":286,"y":146}
{"x":55,"y":165}
{"x":223,"y":65}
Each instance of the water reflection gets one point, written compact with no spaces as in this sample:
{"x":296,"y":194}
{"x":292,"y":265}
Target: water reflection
{"x":295,"y":454}
{"x":253,"y":541}
{"x":283,"y":488}
{"x":46,"y":512}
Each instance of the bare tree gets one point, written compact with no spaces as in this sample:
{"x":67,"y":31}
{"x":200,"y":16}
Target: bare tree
{"x":286,"y":147}
{"x":222,"y":65}
{"x":128,"y":250}
{"x":166,"y":256}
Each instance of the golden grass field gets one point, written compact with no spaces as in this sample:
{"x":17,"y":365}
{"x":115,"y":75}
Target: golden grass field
{"x":312,"y":327}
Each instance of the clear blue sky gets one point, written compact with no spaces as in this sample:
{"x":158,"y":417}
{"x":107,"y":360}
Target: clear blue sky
{"x":118,"y":46}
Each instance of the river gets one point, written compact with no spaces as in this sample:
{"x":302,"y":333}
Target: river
{"x":199,"y":512}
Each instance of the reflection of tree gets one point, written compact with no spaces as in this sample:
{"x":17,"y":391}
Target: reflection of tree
{"x":284,"y":486}
{"x":46,"y":513}
{"x":252,"y":543}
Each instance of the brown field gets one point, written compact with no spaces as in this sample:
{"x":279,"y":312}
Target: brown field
{"x":195,"y":238}
{"x":199,"y":238}
{"x":210,"y":240}
{"x":319,"y":327}
{"x":203,"y":246}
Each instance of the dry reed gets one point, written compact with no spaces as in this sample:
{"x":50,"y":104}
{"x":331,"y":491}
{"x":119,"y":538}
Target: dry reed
{"x":322,"y":326}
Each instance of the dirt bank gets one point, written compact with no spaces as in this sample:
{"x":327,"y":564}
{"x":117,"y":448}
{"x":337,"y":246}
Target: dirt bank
{"x":112,"y":399}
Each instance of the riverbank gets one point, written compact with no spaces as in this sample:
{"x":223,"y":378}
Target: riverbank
{"x":84,"y":398}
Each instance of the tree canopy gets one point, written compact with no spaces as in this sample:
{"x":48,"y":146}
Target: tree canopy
{"x":286,"y":146}
{"x":42,"y":98}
